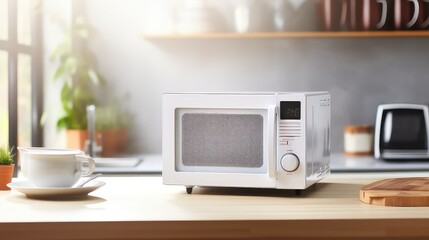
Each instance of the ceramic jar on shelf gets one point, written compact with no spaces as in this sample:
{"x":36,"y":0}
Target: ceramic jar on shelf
{"x":358,"y":140}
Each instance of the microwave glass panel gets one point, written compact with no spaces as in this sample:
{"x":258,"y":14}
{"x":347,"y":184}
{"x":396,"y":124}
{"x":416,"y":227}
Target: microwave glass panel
{"x":220,"y":140}
{"x":403,"y":129}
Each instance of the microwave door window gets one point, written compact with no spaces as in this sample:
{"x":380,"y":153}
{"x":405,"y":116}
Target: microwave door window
{"x":221,"y":142}
{"x":403,"y":129}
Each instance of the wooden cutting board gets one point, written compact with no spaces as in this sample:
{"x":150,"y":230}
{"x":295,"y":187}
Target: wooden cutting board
{"x":398,"y":192}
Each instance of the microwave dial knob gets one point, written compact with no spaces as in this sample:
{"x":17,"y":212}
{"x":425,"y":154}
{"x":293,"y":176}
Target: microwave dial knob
{"x":290,"y":162}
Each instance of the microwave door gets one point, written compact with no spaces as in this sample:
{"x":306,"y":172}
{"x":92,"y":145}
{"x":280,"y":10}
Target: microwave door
{"x":228,"y":147}
{"x":223,"y":140}
{"x":403,"y":133}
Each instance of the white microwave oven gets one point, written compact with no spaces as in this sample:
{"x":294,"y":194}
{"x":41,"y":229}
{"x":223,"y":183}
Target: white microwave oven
{"x":255,"y":140}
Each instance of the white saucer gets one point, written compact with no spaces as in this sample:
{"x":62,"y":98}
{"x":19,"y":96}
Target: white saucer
{"x":32,"y":191}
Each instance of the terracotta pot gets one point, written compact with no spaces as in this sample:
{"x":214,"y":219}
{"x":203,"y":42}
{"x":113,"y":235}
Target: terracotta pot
{"x":76,"y":138}
{"x":113,"y":142}
{"x":6,"y":173}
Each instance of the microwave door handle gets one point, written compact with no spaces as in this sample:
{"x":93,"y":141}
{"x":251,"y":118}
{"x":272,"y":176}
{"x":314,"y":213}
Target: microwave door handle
{"x":271,"y":140}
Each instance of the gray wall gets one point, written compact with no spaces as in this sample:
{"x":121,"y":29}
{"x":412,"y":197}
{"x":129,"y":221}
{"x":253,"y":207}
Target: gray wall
{"x":359,"y":72}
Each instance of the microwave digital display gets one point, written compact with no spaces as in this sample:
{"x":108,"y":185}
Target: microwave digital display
{"x":290,"y":110}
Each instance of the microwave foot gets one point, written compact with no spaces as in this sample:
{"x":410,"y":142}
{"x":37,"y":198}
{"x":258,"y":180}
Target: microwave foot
{"x":189,"y":189}
{"x":298,"y":192}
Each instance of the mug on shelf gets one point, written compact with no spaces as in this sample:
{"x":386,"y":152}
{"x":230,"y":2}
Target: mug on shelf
{"x":283,"y":15}
{"x":424,"y":11}
{"x":376,"y":14}
{"x":336,"y":15}
{"x":408,"y":14}
{"x":241,"y":17}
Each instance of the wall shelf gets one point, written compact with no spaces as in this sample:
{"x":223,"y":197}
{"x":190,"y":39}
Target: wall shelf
{"x":232,"y":35}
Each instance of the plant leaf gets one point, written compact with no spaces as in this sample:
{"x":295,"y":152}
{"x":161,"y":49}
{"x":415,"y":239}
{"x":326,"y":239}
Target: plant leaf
{"x":59,"y":72}
{"x":65,"y":93}
{"x":66,"y":97}
{"x":6,"y":155}
{"x":62,"y":123}
{"x":71,"y":65}
{"x":94,"y":77}
{"x":61,"y":50}
{"x":78,"y":93}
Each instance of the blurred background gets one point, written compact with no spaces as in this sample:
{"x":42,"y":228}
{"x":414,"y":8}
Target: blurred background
{"x":57,"y":57}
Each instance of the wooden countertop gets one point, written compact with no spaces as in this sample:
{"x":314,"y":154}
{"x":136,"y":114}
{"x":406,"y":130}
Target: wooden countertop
{"x":141,"y":207}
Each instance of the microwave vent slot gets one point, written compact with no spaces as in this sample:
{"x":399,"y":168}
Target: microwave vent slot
{"x":325,"y":102}
{"x":289,"y":129}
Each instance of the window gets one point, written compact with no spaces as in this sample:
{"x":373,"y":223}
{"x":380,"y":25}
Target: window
{"x":20,"y":73}
{"x":24,"y":99}
{"x":4,"y":121}
{"x":23,"y":26}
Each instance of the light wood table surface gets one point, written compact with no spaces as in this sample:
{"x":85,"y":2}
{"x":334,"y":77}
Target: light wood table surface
{"x":141,"y":207}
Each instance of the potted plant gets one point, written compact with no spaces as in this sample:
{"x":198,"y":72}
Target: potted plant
{"x":6,"y":167}
{"x":80,"y":80}
{"x":111,"y":124}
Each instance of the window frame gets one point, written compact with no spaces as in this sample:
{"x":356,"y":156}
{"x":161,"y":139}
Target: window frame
{"x":35,"y":50}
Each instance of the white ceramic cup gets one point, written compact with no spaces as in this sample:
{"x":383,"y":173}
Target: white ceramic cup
{"x":46,"y":167}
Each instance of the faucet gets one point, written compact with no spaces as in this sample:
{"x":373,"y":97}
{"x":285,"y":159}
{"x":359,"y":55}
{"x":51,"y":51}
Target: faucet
{"x":91,"y":145}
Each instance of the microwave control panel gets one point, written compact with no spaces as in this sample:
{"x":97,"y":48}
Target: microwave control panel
{"x":289,"y":134}
{"x":301,"y":136}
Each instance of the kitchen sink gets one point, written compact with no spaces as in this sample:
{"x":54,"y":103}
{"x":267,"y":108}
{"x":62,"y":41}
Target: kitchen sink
{"x":117,"y":162}
{"x":133,"y":164}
